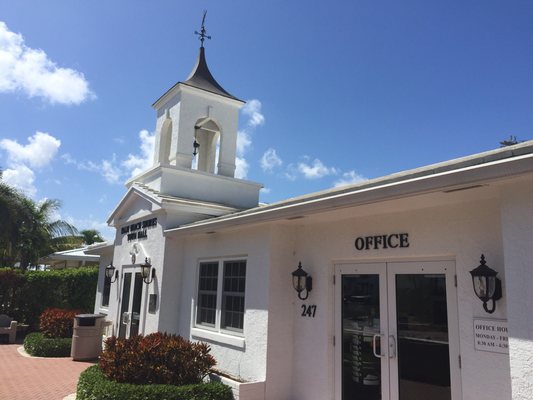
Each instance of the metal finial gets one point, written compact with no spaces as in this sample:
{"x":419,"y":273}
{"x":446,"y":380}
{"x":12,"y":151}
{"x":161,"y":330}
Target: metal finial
{"x":202,"y":34}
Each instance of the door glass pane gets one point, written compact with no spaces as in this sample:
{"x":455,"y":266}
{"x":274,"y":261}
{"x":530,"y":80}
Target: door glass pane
{"x":423,"y":354}
{"x":361,"y":370}
{"x":136,"y":304}
{"x":124,"y":304}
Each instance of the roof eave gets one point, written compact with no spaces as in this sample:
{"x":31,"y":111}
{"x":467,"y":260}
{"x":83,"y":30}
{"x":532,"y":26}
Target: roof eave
{"x":410,"y":186}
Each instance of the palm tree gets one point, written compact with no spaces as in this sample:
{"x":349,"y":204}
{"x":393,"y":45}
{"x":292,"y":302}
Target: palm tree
{"x":84,"y":238}
{"x":11,"y":213}
{"x":91,"y":236}
{"x":39,"y":232}
{"x":27,"y":229}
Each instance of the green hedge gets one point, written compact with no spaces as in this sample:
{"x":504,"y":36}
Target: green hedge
{"x":37,"y":345}
{"x":93,"y":385}
{"x":24,"y":295}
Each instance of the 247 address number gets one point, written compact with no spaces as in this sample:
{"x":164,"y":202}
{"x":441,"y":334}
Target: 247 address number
{"x":308,"y":310}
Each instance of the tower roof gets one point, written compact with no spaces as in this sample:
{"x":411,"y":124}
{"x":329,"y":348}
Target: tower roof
{"x":201,"y":78}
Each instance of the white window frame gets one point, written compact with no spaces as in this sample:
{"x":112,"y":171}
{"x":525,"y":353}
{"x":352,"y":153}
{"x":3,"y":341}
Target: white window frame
{"x":216,"y":333}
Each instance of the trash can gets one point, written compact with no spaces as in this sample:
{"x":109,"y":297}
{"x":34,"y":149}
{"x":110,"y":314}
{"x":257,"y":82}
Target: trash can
{"x":87,"y":336}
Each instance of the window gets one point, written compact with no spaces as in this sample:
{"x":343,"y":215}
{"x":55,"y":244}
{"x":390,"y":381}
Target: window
{"x":220,"y":302}
{"x":107,"y":290}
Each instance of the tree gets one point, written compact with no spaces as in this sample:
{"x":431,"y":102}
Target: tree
{"x":91,"y":236}
{"x":28,"y":231}
{"x":39,"y":232}
{"x":12,"y":213}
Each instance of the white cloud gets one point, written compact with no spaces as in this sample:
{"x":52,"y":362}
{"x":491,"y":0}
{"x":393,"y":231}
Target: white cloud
{"x":265,"y":190}
{"x":20,"y":177}
{"x":68,"y":159}
{"x":315,"y":170}
{"x":39,"y":151}
{"x":252,"y":109}
{"x":244,"y":141}
{"x":291,"y":172}
{"x":349,"y":178}
{"x":137,"y":163}
{"x":107,"y":168}
{"x":270,"y":160}
{"x":241,"y":168}
{"x":33,"y":73}
{"x":114,"y":171}
{"x":110,"y":171}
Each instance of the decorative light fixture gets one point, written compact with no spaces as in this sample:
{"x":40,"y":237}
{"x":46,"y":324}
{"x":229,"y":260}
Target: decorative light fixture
{"x":195,"y":146}
{"x":111,"y":271}
{"x":301,"y":281}
{"x":486,"y":285}
{"x":145,"y":271}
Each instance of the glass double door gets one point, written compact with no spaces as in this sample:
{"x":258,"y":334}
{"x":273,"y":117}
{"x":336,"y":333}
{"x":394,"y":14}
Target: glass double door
{"x":398,"y":330}
{"x":130,"y":304}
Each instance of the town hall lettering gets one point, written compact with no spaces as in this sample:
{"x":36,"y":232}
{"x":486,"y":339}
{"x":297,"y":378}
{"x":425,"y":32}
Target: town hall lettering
{"x":377,"y":242}
{"x":138,"y":230}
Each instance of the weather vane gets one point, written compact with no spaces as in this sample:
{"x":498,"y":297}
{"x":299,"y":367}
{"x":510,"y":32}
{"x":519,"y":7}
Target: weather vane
{"x":202,"y":34}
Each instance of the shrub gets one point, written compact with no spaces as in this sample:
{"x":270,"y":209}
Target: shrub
{"x":93,"y":385}
{"x":57,"y":323}
{"x":37,"y":345}
{"x":25,"y":295}
{"x":156,"y":358}
{"x":11,"y":282}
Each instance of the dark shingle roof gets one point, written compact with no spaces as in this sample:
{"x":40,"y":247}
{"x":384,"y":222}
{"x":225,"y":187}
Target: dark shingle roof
{"x":201,"y":78}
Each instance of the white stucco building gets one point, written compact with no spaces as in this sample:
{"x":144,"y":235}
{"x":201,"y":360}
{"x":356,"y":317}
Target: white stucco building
{"x":392,"y":312}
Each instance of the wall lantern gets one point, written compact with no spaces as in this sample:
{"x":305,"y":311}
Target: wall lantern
{"x":145,"y":271}
{"x":301,"y":281}
{"x":111,"y":271}
{"x":486,"y":285}
{"x":195,"y":146}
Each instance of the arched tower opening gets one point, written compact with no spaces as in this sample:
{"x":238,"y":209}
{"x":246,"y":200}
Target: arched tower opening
{"x":165,"y":141}
{"x":207,"y":135}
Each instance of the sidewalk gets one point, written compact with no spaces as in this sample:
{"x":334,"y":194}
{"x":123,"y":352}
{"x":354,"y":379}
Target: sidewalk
{"x":23,"y":378}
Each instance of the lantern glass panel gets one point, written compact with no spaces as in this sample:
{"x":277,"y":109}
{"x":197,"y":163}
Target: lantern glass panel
{"x":484,"y":286}
{"x":109,"y":271}
{"x":145,"y":270}
{"x":298,"y":283}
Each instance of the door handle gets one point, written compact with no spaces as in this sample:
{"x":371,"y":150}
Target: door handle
{"x":374,"y":345}
{"x":125,"y":318}
{"x":392,"y":346}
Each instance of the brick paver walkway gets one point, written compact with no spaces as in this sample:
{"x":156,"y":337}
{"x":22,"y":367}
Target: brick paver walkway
{"x":23,"y":378}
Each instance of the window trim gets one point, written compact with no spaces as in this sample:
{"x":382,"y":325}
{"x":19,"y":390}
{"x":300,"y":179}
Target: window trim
{"x":216,"y":333}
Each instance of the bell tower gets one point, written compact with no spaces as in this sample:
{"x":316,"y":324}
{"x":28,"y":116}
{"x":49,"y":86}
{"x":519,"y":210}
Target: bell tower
{"x":197,"y":118}
{"x":196,"y":140}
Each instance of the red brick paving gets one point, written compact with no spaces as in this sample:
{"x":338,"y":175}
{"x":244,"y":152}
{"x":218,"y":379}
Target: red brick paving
{"x":24,"y":378}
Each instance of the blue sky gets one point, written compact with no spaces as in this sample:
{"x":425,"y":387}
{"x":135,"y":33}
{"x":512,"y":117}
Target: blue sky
{"x":337,"y":91}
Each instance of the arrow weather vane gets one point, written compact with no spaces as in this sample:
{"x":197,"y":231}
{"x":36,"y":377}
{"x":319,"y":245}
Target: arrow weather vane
{"x":202,"y":34}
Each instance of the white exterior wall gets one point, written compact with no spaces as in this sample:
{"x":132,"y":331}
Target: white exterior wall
{"x":460,"y":233}
{"x":153,"y":247}
{"x":282,"y":302}
{"x":247,"y":361}
{"x":517,"y":228}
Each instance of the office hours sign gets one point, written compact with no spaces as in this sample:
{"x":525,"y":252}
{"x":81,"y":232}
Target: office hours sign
{"x":491,"y":335}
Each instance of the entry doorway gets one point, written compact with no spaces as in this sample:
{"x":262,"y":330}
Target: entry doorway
{"x":130,"y":304}
{"x":397,"y":331}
